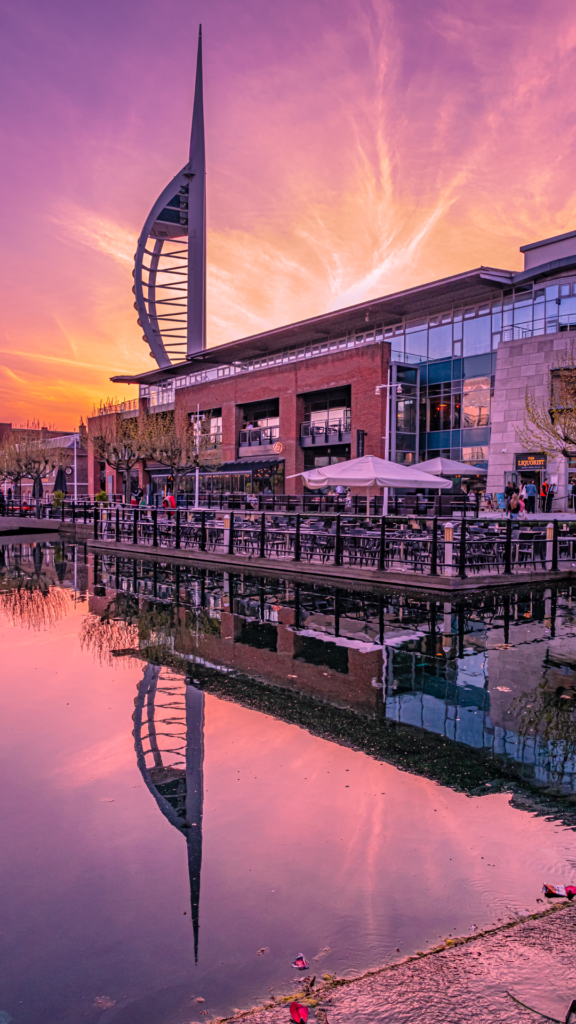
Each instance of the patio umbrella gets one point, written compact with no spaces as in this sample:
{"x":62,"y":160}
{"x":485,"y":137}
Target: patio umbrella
{"x":60,"y":481}
{"x":448,"y":467}
{"x":370,"y":471}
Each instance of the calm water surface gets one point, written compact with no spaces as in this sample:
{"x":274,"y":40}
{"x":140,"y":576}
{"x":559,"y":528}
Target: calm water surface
{"x":204,"y":776}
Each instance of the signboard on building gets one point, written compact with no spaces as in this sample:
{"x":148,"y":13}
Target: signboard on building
{"x":531,"y":460}
{"x":359,"y":443}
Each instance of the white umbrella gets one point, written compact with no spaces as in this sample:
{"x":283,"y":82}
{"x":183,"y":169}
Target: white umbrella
{"x":370,"y":471}
{"x":448,"y":467}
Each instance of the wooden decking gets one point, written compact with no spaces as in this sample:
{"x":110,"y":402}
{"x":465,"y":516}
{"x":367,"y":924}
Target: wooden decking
{"x":335,"y":575}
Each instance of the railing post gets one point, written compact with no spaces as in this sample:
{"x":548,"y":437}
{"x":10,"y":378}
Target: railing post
{"x":297,"y":539}
{"x":448,"y":549}
{"x":85,"y":513}
{"x":337,"y":544}
{"x":508,"y":549}
{"x":117,"y":532}
{"x":231,"y":535}
{"x":154,"y":527}
{"x":95,"y":521}
{"x":203,"y":530}
{"x":73,"y":513}
{"x":382,"y":551}
{"x":263,"y":535}
{"x":555,"y":546}
{"x":135,"y":527}
{"x":61,"y":509}
{"x":434,"y":548}
{"x":177,"y":530}
{"x":462,"y":553}
{"x":477,"y":504}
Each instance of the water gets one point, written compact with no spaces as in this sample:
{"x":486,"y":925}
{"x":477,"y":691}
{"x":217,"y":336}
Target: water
{"x":242,"y":770}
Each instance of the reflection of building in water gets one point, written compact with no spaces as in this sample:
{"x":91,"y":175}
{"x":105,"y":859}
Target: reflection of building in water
{"x":456,"y":670}
{"x":482,"y":693}
{"x":169,"y":742}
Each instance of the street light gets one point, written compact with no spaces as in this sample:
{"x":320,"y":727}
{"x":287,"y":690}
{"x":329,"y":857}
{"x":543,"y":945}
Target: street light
{"x":386,"y":388}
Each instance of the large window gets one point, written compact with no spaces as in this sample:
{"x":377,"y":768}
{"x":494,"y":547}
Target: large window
{"x":331,"y":406}
{"x":476,"y":404}
{"x":262,"y":414}
{"x":477,"y":335}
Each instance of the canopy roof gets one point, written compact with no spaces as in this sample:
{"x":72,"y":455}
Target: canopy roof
{"x":448,"y":467}
{"x":370,"y":471}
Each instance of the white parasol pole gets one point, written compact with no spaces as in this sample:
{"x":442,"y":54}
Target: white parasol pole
{"x":386,"y":441}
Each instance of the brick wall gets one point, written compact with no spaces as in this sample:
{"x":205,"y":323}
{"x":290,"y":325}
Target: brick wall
{"x":361,"y":368}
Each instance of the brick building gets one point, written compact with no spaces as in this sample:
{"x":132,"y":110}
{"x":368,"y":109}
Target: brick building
{"x":463,"y":351}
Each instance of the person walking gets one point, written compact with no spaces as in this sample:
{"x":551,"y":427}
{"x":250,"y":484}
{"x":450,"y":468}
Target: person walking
{"x":530,"y":489}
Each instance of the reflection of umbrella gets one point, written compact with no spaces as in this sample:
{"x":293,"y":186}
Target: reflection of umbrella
{"x":37,"y":488}
{"x":448,"y":467}
{"x":60,"y":570}
{"x":38,"y":558}
{"x":60,"y":481}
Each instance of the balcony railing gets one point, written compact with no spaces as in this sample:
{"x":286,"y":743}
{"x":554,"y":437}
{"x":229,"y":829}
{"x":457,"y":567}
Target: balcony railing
{"x":329,"y":431}
{"x":257,"y":436}
{"x":533,"y":328}
{"x":117,"y":407}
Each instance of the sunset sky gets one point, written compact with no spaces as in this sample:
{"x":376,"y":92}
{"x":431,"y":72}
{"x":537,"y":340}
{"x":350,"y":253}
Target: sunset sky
{"x":353,"y":148}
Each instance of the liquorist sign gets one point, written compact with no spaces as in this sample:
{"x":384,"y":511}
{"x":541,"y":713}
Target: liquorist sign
{"x":531,"y":460}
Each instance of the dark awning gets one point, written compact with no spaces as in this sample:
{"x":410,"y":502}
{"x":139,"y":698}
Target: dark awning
{"x":247,"y":465}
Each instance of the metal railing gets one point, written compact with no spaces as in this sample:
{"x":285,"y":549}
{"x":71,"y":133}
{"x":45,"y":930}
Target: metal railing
{"x":110,"y":408}
{"x":424,"y":546}
{"x":329,"y":429}
{"x":258,"y":436}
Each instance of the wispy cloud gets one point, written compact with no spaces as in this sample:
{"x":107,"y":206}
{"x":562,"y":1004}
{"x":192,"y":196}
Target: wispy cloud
{"x":97,"y":232}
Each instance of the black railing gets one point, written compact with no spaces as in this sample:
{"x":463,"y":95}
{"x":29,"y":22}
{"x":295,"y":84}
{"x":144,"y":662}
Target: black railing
{"x":256,"y":436}
{"x":424,"y":545}
{"x":325,"y":431}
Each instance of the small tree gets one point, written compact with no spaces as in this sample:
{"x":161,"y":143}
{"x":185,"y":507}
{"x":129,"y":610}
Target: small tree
{"x":180,"y":444}
{"x":550,"y":425}
{"x":118,"y":442}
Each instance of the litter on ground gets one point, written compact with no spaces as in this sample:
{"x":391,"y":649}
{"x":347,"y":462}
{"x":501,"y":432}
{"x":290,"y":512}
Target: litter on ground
{"x":299,"y":1013}
{"x":301,"y":963}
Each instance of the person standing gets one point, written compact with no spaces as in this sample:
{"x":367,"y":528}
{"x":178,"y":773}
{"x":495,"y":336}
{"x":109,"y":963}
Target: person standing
{"x":530,"y":489}
{"x":514,"y":506}
{"x":544,"y":494}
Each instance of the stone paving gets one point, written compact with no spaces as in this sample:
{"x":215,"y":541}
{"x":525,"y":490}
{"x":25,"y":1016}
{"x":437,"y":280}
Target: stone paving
{"x":534,"y":959}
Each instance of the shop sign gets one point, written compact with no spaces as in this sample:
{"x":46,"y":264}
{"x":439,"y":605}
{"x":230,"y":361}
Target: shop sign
{"x":531,"y":460}
{"x":359,"y":443}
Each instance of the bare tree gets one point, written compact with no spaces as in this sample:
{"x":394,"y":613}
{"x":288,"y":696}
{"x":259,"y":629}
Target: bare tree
{"x":550,"y":425}
{"x":119,"y":442}
{"x":27,"y":453}
{"x":180,"y":443}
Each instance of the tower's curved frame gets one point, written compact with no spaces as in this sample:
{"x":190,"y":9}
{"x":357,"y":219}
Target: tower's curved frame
{"x":170,"y":262}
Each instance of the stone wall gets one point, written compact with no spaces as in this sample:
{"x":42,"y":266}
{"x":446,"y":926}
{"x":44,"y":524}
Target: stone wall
{"x":520,"y":365}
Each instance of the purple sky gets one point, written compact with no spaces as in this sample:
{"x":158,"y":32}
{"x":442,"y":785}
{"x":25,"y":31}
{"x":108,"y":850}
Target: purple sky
{"x":353,"y":149}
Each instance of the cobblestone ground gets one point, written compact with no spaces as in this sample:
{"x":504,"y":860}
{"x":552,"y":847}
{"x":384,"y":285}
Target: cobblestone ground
{"x":535,"y":960}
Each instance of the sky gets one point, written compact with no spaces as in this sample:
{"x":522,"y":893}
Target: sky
{"x":354,"y":148}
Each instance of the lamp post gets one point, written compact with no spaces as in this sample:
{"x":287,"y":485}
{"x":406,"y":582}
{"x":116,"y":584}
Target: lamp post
{"x":75,"y":468}
{"x":197,"y":474}
{"x":386,"y":387}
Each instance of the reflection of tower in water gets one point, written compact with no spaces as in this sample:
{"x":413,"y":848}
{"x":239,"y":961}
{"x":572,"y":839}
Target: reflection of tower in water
{"x":169,"y":742}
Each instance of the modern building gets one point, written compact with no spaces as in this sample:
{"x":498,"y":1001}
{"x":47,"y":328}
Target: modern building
{"x":458,"y":353}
